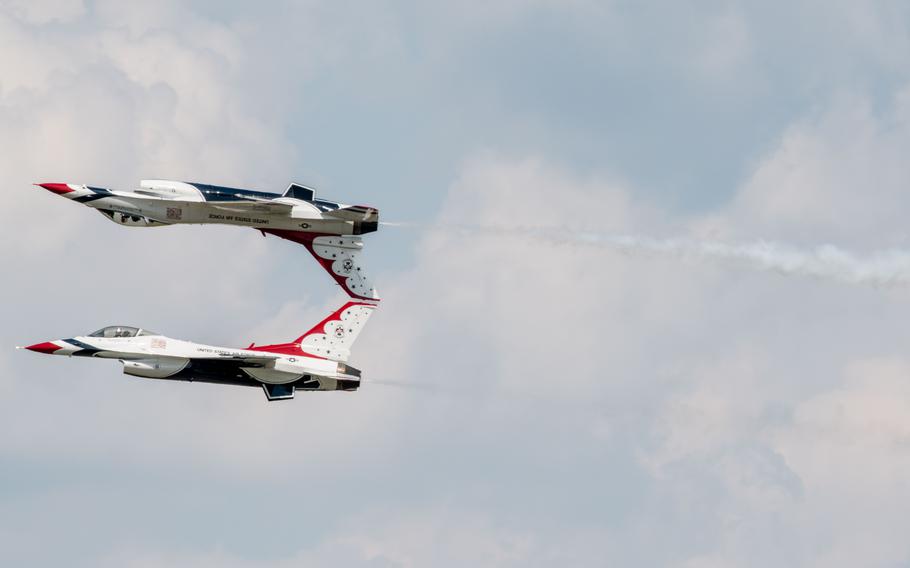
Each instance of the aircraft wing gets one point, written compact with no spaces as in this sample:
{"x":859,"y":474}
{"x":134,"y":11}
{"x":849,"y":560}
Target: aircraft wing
{"x":257,"y":361}
{"x":249,"y":205}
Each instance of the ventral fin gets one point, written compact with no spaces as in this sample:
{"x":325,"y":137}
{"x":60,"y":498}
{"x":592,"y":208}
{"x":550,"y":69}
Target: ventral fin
{"x":278,"y":392}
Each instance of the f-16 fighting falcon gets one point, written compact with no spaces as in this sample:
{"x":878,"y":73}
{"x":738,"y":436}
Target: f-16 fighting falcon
{"x":314,"y":361}
{"x":329,"y":230}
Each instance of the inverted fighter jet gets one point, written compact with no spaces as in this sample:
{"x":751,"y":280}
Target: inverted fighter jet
{"x":329,"y":230}
{"x":315,"y":361}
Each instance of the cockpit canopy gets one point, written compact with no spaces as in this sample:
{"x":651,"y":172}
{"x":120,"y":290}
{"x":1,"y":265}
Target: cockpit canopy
{"x":121,"y":331}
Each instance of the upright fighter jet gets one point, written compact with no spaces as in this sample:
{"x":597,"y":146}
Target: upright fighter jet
{"x":329,"y":230}
{"x":317,"y":360}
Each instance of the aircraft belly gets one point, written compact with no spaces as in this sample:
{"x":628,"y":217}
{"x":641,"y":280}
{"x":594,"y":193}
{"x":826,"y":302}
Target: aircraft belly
{"x":243,"y":219}
{"x":275,"y":222}
{"x":172,"y":212}
{"x":204,"y":213}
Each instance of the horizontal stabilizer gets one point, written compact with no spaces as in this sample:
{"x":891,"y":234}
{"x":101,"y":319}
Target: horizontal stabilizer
{"x":355,"y":213}
{"x":253,"y":361}
{"x":278,"y":392}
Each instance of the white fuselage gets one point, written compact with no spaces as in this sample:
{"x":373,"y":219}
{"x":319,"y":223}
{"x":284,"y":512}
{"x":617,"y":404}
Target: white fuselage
{"x":160,"y":357}
{"x":329,"y":230}
{"x":282,"y":213}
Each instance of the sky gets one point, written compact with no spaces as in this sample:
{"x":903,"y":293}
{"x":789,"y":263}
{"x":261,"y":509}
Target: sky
{"x":564,"y":370}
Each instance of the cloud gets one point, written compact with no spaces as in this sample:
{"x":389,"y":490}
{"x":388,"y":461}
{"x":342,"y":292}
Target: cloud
{"x":848,"y":446}
{"x":572,"y":406}
{"x":726,"y":46}
{"x":618,"y":370}
{"x":719,"y":367}
{"x":46,"y":11}
{"x":836,"y":176}
{"x":443,"y":536}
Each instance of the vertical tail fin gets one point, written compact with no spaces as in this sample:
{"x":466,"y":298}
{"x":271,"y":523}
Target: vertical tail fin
{"x":332,"y":338}
{"x":339,"y":256}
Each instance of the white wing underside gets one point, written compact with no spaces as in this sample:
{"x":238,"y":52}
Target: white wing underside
{"x":259,"y":360}
{"x":354,"y":213}
{"x":241,"y":206}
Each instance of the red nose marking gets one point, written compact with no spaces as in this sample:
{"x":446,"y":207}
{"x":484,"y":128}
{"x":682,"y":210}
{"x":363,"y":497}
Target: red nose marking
{"x":58,"y":188}
{"x":46,"y":347}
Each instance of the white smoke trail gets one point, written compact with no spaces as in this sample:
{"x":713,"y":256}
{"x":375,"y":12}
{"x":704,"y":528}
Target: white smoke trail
{"x":880,"y":268}
{"x":889,"y":267}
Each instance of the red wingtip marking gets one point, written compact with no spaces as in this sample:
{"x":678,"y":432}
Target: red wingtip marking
{"x":46,"y":347}
{"x":58,"y":188}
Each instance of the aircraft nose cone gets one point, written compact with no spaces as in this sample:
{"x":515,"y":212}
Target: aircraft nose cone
{"x":46,"y":347}
{"x":58,"y":188}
